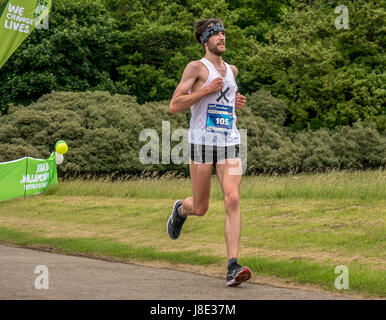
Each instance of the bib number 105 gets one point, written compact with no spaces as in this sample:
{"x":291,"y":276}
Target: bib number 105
{"x":222,"y":121}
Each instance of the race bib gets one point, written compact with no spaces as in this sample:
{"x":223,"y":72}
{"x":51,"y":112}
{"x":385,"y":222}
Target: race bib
{"x":219,"y":118}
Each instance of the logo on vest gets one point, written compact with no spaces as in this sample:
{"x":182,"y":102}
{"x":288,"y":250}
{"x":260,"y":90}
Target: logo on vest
{"x":223,"y":95}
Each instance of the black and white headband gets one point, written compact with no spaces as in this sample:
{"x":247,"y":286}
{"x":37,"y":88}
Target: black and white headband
{"x":210,"y":31}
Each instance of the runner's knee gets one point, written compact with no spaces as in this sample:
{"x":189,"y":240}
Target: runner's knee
{"x":232,"y":200}
{"x":200,"y":211}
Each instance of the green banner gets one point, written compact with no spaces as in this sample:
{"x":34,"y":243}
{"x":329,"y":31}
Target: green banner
{"x":26,"y":176}
{"x":18,"y":19}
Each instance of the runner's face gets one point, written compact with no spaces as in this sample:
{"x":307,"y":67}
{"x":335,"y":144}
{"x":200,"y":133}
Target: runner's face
{"x":216,"y":44}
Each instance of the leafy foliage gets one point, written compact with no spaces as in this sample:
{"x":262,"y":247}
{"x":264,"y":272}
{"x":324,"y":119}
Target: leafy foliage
{"x":328,"y":77}
{"x":76,"y":53}
{"x":290,"y":48}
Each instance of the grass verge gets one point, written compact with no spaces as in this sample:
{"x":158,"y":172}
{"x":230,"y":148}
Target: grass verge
{"x":297,"y":236}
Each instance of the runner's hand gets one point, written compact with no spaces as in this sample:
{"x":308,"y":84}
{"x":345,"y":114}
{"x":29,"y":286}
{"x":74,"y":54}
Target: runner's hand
{"x":240,"y":101}
{"x":216,"y":85}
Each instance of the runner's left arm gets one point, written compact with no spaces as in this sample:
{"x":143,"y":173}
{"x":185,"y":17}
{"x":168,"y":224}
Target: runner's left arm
{"x":240,"y":99}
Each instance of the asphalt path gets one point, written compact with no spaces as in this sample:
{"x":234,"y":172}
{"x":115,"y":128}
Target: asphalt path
{"x":74,"y":278}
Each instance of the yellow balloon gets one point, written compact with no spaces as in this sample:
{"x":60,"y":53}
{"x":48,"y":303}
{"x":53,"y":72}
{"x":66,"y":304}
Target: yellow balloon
{"x":61,"y":148}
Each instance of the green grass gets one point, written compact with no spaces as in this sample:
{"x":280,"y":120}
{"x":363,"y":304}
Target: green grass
{"x":296,"y":228}
{"x":104,"y":247}
{"x":364,"y":185}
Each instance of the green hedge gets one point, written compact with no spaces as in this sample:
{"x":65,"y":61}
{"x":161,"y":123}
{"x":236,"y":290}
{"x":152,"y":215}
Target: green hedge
{"x":102,"y":132}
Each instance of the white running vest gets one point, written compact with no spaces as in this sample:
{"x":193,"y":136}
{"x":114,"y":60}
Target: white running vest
{"x":213,"y":120}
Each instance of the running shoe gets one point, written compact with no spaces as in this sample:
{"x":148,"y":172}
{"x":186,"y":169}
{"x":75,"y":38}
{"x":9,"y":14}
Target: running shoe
{"x":238,"y":275}
{"x":175,"y":222}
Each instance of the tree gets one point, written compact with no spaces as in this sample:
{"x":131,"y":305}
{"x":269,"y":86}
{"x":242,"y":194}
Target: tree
{"x":76,"y":53}
{"x":291,"y":48}
{"x":328,"y":77}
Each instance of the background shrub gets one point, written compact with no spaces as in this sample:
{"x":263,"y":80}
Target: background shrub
{"x":102,"y":132}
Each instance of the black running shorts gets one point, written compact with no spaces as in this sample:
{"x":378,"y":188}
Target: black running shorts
{"x":212,"y":154}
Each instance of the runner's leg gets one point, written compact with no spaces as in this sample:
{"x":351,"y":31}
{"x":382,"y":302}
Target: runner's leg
{"x":198,"y":203}
{"x":229,"y":175}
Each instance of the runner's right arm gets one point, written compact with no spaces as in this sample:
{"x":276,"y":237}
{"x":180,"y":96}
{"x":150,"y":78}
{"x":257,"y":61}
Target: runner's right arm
{"x":181,"y":99}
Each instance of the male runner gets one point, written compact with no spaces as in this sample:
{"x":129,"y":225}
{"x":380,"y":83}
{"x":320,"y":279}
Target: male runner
{"x":209,"y":89}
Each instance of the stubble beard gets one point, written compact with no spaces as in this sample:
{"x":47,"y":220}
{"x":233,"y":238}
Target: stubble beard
{"x":214,"y":49}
